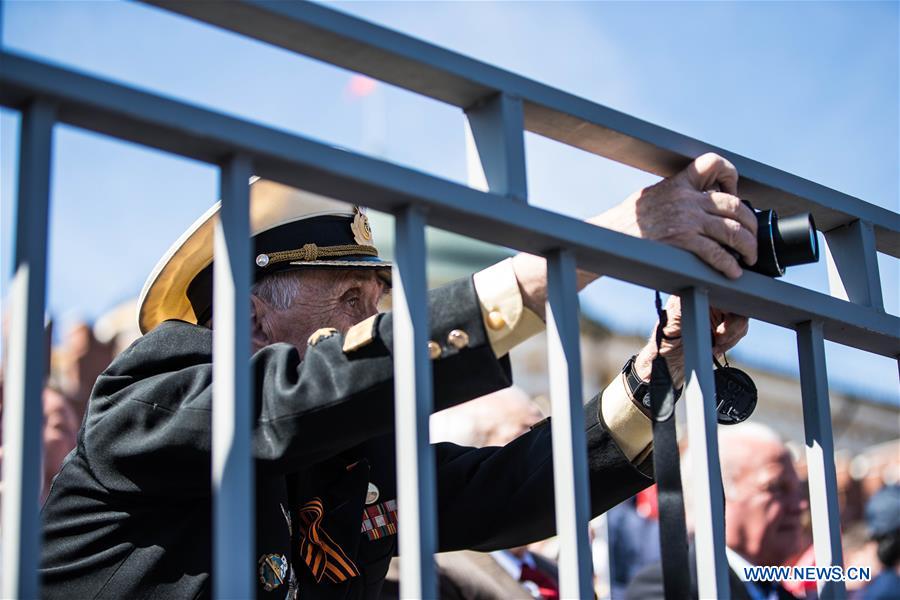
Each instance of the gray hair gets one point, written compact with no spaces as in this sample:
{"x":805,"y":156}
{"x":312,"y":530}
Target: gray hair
{"x":278,"y":290}
{"x":732,"y":440}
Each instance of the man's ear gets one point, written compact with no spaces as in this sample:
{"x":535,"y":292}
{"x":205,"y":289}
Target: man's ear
{"x":259,"y":312}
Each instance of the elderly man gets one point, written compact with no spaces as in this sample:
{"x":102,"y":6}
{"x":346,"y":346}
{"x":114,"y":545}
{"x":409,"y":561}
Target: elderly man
{"x":764,"y":502}
{"x":129,"y":514}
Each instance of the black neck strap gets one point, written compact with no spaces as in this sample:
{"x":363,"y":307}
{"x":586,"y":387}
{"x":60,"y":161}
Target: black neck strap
{"x":667,"y":468}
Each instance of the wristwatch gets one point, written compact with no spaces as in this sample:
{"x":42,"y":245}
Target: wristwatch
{"x":637,"y":387}
{"x":640,"y":389}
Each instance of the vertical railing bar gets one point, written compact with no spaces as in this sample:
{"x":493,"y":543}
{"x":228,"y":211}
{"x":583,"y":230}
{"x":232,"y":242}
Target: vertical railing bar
{"x":498,"y":128}
{"x":852,"y":260}
{"x":602,"y":557}
{"x":570,"y":475}
{"x":23,"y":414}
{"x":823,"y":495}
{"x":416,"y":495}
{"x":232,"y":462}
{"x":700,"y":401}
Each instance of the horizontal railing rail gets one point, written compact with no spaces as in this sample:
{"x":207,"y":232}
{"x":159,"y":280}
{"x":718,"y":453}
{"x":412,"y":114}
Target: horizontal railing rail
{"x":117,"y":110}
{"x":455,"y":79}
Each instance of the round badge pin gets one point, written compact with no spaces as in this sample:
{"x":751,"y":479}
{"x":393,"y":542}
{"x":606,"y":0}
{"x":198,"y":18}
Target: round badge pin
{"x":372,"y":494}
{"x":273,"y":569}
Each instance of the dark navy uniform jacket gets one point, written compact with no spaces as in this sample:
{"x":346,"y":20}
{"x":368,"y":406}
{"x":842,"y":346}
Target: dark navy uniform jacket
{"x":129,"y":515}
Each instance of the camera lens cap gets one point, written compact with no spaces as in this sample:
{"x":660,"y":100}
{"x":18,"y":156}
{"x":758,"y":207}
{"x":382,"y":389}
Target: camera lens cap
{"x":735,"y":395}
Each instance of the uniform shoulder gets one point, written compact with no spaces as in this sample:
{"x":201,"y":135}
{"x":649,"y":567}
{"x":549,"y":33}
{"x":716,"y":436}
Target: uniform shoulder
{"x":171,"y":346}
{"x":168,"y":367}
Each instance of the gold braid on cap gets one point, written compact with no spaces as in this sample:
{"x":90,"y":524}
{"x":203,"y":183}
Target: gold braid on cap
{"x":312,"y":253}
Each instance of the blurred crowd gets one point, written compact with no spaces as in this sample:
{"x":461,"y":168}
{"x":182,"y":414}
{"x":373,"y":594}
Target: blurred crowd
{"x":767,"y":517}
{"x":766,"y":495}
{"x":74,"y":364}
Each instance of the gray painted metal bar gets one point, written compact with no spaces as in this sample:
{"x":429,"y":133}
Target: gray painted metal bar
{"x":570,"y":475}
{"x":700,"y":401}
{"x":498,"y":129}
{"x":413,"y":402}
{"x":823,"y":496}
{"x":345,"y":41}
{"x":852,"y":248}
{"x":176,"y":127}
{"x":600,"y":552}
{"x":23,"y":415}
{"x":232,"y":415}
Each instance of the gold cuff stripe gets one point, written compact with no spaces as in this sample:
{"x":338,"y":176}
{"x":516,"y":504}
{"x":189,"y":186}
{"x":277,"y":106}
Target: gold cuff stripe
{"x":630,"y":428}
{"x":312,"y":252}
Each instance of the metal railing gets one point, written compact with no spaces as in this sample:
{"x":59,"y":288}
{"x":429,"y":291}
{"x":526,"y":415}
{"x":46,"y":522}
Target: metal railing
{"x":500,"y":106}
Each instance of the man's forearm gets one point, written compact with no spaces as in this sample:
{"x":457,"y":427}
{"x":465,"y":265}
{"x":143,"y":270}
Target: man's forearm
{"x":531,"y":273}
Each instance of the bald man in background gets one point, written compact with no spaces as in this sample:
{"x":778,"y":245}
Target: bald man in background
{"x":764,"y":502}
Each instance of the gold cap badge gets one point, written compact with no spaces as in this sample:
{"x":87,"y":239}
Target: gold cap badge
{"x":362,"y":232}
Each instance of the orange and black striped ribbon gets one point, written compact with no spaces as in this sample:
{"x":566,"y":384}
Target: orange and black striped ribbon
{"x":324,"y":557}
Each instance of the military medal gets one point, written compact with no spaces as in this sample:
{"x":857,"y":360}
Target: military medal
{"x":287,"y":518}
{"x":293,"y":585}
{"x":380,"y":520}
{"x":273,"y":569}
{"x":372,"y":493}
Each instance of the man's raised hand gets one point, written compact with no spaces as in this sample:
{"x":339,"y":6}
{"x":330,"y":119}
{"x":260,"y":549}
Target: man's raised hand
{"x":696,"y":210}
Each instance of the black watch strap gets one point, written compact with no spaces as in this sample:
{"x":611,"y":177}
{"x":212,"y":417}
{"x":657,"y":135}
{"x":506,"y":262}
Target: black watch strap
{"x":640,"y":389}
{"x":637,"y":387}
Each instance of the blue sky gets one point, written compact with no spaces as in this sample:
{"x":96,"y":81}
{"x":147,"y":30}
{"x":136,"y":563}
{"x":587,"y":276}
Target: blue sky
{"x":808,"y":87}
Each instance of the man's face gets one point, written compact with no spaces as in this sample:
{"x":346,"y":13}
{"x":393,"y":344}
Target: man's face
{"x":60,"y":434}
{"x":764,"y":505}
{"x":337,"y":298}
